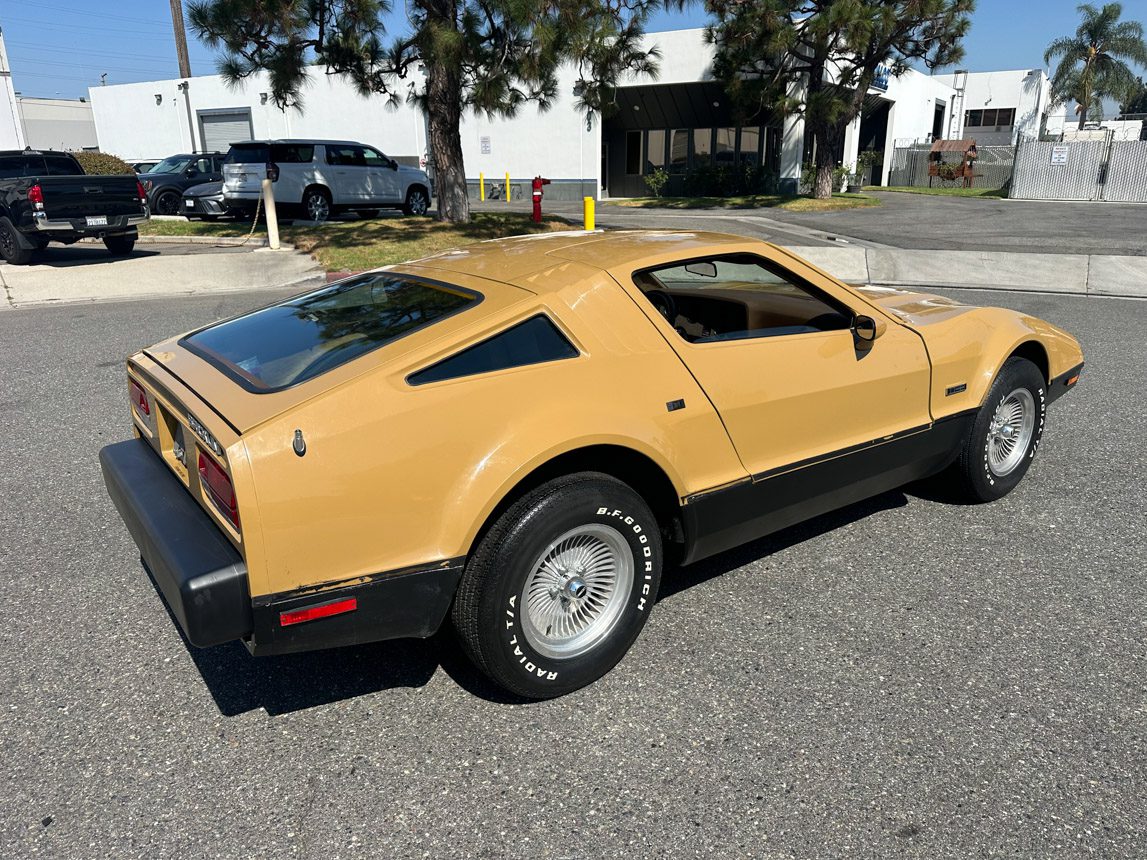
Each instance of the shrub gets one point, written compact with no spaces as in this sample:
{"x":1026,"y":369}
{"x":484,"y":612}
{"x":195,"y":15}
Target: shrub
{"x":656,"y":180}
{"x":102,"y":163}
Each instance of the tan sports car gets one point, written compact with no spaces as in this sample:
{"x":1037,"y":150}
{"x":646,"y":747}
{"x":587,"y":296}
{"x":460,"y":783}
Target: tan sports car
{"x":521,"y":434}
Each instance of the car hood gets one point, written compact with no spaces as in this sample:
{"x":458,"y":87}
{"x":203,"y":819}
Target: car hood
{"x":206,"y":189}
{"x":914,"y":308}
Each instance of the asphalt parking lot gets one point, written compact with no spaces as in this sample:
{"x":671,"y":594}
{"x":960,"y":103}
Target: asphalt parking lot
{"x":905,"y":678}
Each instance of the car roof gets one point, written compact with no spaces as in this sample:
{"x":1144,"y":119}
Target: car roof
{"x":509,"y":260}
{"x":317,"y":140}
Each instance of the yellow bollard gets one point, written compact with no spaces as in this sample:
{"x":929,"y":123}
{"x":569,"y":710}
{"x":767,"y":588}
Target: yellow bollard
{"x":481,"y":186}
{"x":587,"y":213}
{"x":507,"y":187}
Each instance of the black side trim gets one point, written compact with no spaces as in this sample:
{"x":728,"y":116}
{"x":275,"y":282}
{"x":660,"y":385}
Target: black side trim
{"x":722,"y":519}
{"x":843,"y":452}
{"x":200,"y":574}
{"x":955,"y":389}
{"x":1059,"y":387}
{"x":411,"y":602}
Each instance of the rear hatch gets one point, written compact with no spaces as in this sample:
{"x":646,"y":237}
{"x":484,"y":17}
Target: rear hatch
{"x":258,"y":365}
{"x":78,"y":198}
{"x":245,"y":168}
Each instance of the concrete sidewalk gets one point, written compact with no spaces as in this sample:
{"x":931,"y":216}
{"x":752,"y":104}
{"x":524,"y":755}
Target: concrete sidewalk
{"x":143,"y":275}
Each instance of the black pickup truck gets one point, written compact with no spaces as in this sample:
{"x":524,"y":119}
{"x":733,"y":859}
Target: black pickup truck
{"x":46,"y":197}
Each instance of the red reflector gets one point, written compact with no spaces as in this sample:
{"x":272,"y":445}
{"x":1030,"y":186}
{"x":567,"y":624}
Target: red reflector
{"x":36,"y":194}
{"x":1073,"y":380}
{"x":139,"y":397}
{"x":298,"y":616}
{"x":218,"y":486}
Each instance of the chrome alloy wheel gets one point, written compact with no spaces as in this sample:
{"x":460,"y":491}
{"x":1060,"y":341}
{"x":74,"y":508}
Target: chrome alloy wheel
{"x":1010,"y":432}
{"x":317,"y":206}
{"x":577,"y":590}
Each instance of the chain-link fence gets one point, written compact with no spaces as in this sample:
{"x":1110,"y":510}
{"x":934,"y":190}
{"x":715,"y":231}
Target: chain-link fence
{"x":1082,"y":169}
{"x":992,"y":169}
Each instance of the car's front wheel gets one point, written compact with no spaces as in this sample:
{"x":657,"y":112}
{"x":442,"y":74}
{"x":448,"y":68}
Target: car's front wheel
{"x":1000,"y":446}
{"x":167,"y":203}
{"x":560,"y":586}
{"x":417,"y":202}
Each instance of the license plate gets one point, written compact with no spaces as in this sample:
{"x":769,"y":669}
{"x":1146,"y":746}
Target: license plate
{"x":97,"y":220}
{"x":190,"y":204}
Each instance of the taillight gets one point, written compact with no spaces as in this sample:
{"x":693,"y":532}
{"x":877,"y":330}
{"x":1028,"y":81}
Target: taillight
{"x":139,"y":397}
{"x":36,"y":195}
{"x":139,"y":190}
{"x":218,"y":485}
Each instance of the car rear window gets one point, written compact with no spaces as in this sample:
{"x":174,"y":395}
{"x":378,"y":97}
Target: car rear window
{"x":259,"y":153}
{"x":37,"y":164}
{"x":296,"y":340}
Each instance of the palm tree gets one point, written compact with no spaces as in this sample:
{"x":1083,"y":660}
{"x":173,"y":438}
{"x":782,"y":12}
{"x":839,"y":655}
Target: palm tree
{"x":1092,"y":65}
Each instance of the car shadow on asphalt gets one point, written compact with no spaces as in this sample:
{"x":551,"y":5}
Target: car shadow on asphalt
{"x":83,"y":255}
{"x":240,"y":683}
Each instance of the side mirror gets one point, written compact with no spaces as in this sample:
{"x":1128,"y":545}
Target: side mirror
{"x":394,"y":165}
{"x":865,"y":331}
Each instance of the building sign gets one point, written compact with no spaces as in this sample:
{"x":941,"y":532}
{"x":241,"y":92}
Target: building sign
{"x":485,"y":144}
{"x":1059,"y":154}
{"x":880,"y":81}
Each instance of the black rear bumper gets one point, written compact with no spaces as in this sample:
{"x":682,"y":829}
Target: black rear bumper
{"x":200,"y":574}
{"x":204,"y":579}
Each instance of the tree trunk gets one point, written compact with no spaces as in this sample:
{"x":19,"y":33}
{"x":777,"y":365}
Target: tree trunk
{"x":444,"y":106}
{"x":826,"y":138}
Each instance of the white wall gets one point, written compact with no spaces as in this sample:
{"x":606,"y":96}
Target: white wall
{"x":555,"y":144}
{"x":130,"y":124}
{"x":63,"y":124}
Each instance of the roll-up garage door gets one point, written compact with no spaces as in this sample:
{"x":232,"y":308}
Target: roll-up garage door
{"x":221,"y":129}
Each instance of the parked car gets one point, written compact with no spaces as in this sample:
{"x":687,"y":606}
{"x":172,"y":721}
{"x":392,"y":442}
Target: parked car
{"x":143,"y":166}
{"x":205,"y":202}
{"x":46,"y":197}
{"x":317,"y":178}
{"x":519,"y":434}
{"x":166,"y":182}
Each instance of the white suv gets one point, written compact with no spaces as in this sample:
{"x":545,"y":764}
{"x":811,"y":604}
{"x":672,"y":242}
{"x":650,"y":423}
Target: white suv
{"x":319,"y":177}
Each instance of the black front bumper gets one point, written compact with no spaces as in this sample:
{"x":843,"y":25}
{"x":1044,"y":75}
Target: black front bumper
{"x":200,"y":574}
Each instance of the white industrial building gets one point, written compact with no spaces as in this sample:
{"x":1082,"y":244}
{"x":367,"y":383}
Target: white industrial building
{"x":676,"y":121}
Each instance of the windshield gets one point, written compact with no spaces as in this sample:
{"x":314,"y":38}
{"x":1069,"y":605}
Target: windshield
{"x":298,"y":339}
{"x":174,"y":164}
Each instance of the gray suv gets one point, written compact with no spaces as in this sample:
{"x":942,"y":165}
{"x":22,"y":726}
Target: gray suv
{"x":317,"y":178}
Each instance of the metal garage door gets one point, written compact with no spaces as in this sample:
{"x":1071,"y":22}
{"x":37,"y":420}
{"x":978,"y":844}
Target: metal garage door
{"x":220,"y":129}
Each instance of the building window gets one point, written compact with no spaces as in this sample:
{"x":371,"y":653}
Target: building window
{"x":750,"y":152}
{"x":679,"y":151}
{"x":773,"y":149}
{"x":990,"y":118}
{"x":632,"y":153}
{"x":702,"y":146}
{"x":724,"y":145}
{"x":655,"y":146}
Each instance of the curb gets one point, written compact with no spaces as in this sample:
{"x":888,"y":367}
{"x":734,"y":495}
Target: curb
{"x":1075,"y":274}
{"x":224,"y":241}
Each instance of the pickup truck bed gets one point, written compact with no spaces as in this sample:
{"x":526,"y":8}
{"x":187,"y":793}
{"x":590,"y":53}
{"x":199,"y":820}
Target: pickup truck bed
{"x":46,"y":197}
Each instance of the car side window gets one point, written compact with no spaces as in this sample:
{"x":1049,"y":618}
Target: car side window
{"x":738,"y":297}
{"x":339,"y":155}
{"x":531,"y":342}
{"x":374,"y":158}
{"x":295,"y":153}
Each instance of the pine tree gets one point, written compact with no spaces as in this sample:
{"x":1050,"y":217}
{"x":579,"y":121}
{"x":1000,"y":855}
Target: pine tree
{"x":491,"y":56}
{"x":819,"y":57}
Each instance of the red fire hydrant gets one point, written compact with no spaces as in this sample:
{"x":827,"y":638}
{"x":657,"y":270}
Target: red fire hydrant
{"x":537,"y":185}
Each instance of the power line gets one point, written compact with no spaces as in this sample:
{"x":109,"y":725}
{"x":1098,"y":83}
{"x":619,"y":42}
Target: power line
{"x":83,"y":27}
{"x":104,"y":15}
{"x":118,"y":54}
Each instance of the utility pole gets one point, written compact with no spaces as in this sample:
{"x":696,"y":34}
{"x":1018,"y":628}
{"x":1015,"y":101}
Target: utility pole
{"x":180,"y":38}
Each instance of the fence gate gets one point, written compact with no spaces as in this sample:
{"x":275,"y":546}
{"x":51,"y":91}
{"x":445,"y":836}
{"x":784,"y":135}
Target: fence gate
{"x":993,"y":167}
{"x":1081,"y":170}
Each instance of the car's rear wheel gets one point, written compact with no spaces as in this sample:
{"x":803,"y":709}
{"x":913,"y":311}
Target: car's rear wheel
{"x":560,"y":586}
{"x":10,"y":248}
{"x":417,"y":202}
{"x":167,"y":203}
{"x":119,"y":246}
{"x":317,"y":204}
{"x":1000,"y":446}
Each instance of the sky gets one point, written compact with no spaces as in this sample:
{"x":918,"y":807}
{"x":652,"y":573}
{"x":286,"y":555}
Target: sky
{"x":58,"y":48}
